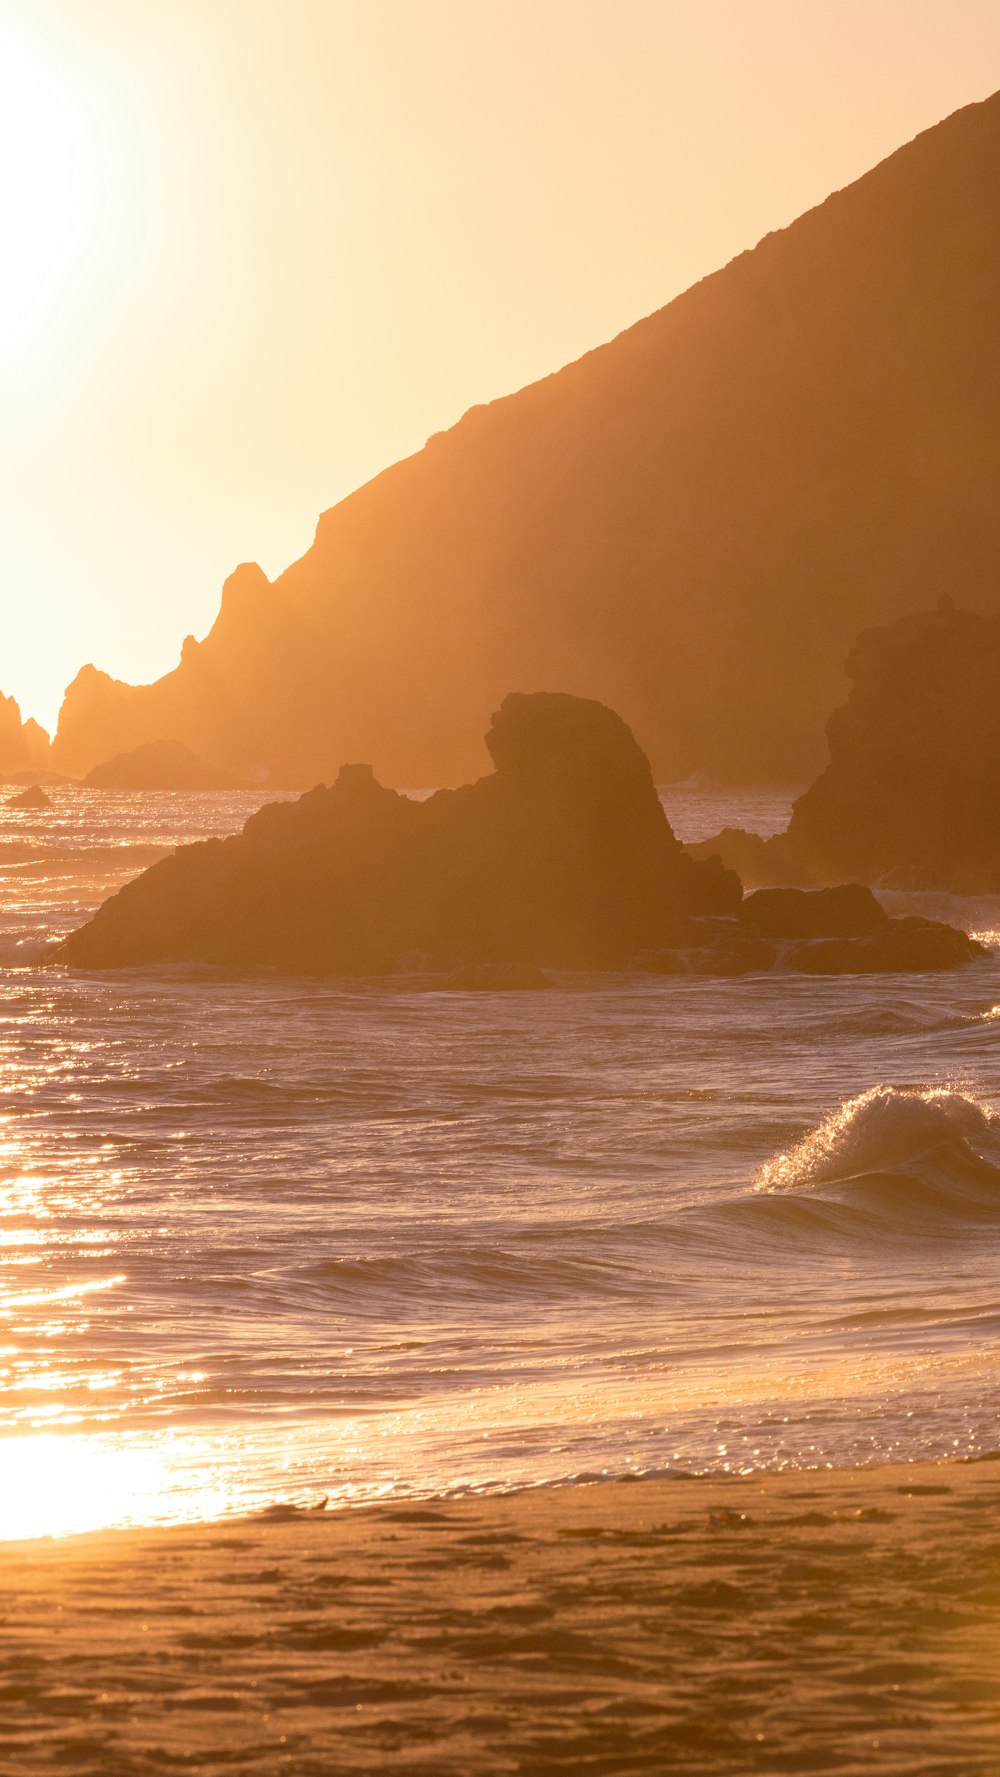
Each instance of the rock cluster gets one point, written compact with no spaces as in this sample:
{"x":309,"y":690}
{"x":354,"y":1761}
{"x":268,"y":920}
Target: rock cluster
{"x":562,"y":858}
{"x":834,"y":931}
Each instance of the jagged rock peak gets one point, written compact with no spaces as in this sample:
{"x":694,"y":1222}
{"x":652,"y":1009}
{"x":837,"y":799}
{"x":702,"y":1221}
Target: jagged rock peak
{"x":246,"y":580}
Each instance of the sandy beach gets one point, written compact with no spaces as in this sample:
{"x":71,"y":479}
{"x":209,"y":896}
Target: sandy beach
{"x":801,"y":1622}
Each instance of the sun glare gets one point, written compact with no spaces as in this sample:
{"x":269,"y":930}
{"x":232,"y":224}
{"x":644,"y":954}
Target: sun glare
{"x":59,"y":1484}
{"x":50,"y":192}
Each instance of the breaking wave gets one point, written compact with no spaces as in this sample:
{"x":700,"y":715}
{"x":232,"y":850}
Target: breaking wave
{"x":897,"y":1148}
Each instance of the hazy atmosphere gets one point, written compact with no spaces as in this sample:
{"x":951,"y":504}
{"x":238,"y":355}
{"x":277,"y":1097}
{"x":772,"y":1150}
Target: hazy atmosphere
{"x":254,"y":254}
{"x":500,"y":914}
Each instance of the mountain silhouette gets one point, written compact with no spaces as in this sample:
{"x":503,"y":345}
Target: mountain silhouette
{"x":690,"y":523}
{"x":161,"y":765}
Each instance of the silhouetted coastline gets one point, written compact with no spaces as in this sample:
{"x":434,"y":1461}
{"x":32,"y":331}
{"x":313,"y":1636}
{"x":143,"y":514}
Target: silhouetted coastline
{"x":690,"y":523}
{"x":563,"y":859}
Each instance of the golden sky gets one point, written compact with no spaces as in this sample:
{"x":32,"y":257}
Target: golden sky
{"x":253,"y":250}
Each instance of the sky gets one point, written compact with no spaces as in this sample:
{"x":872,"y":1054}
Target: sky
{"x":252,"y":251}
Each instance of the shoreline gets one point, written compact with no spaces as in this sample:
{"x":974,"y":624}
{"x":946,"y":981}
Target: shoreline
{"x":807,"y":1620}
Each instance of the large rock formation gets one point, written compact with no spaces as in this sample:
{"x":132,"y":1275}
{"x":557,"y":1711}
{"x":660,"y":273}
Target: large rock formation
{"x":691,"y":523}
{"x":911,"y":795}
{"x":24,"y":746}
{"x":161,"y":765}
{"x":563,"y":857}
{"x":912,"y":791}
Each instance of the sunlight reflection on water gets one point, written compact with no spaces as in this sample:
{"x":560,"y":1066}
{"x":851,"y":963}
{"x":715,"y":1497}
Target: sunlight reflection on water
{"x":264,"y":1240}
{"x":55,"y":1485}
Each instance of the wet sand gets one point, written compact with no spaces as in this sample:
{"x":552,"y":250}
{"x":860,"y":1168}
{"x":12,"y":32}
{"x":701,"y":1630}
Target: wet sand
{"x":805,"y":1622}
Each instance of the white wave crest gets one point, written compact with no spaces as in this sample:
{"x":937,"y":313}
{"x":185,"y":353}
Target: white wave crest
{"x":886,"y":1129}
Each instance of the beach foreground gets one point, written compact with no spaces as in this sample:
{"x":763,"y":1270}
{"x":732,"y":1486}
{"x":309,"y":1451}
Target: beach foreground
{"x":807,"y":1621}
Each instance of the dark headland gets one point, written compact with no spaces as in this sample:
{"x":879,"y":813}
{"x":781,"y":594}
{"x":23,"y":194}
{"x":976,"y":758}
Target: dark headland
{"x":691,"y":523}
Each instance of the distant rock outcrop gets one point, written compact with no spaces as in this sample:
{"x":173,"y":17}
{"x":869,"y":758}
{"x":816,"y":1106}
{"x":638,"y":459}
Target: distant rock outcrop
{"x":758,"y":862}
{"x":161,"y":765}
{"x":911,"y":795}
{"x":24,"y":746}
{"x":33,"y":798}
{"x":562,"y":858}
{"x":691,"y":523}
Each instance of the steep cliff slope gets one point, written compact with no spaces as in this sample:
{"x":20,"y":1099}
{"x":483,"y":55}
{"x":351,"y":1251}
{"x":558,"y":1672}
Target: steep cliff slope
{"x":690,"y":523}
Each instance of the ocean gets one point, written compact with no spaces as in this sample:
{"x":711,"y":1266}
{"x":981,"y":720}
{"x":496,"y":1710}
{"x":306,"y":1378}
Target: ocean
{"x":265,"y":1242}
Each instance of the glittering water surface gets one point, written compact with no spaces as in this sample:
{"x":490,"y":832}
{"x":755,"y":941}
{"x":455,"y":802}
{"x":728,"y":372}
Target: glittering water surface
{"x":267,"y":1239}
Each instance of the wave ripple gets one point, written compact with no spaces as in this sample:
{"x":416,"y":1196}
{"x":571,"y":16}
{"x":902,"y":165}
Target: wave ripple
{"x":941,"y":1142}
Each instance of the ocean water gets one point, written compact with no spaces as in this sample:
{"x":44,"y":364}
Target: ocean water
{"x":265,"y":1241}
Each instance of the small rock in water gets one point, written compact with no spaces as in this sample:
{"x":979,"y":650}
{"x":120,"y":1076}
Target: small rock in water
{"x":33,"y":798}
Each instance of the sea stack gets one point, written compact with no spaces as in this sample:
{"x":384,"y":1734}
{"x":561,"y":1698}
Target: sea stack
{"x":911,"y":795}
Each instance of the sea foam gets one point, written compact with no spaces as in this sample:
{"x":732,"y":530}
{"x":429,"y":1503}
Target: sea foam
{"x":919,"y":1132}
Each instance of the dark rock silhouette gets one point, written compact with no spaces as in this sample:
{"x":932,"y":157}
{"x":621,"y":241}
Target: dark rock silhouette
{"x":562,"y":858}
{"x":911,"y":795}
{"x":912,"y":791}
{"x":691,"y":523}
{"x":713,"y":946}
{"x":161,"y":765}
{"x":24,"y":746}
{"x":901,"y":945}
{"x":848,"y":911}
{"x":33,"y":798}
{"x":831,"y":931}
{"x":758,"y":862}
